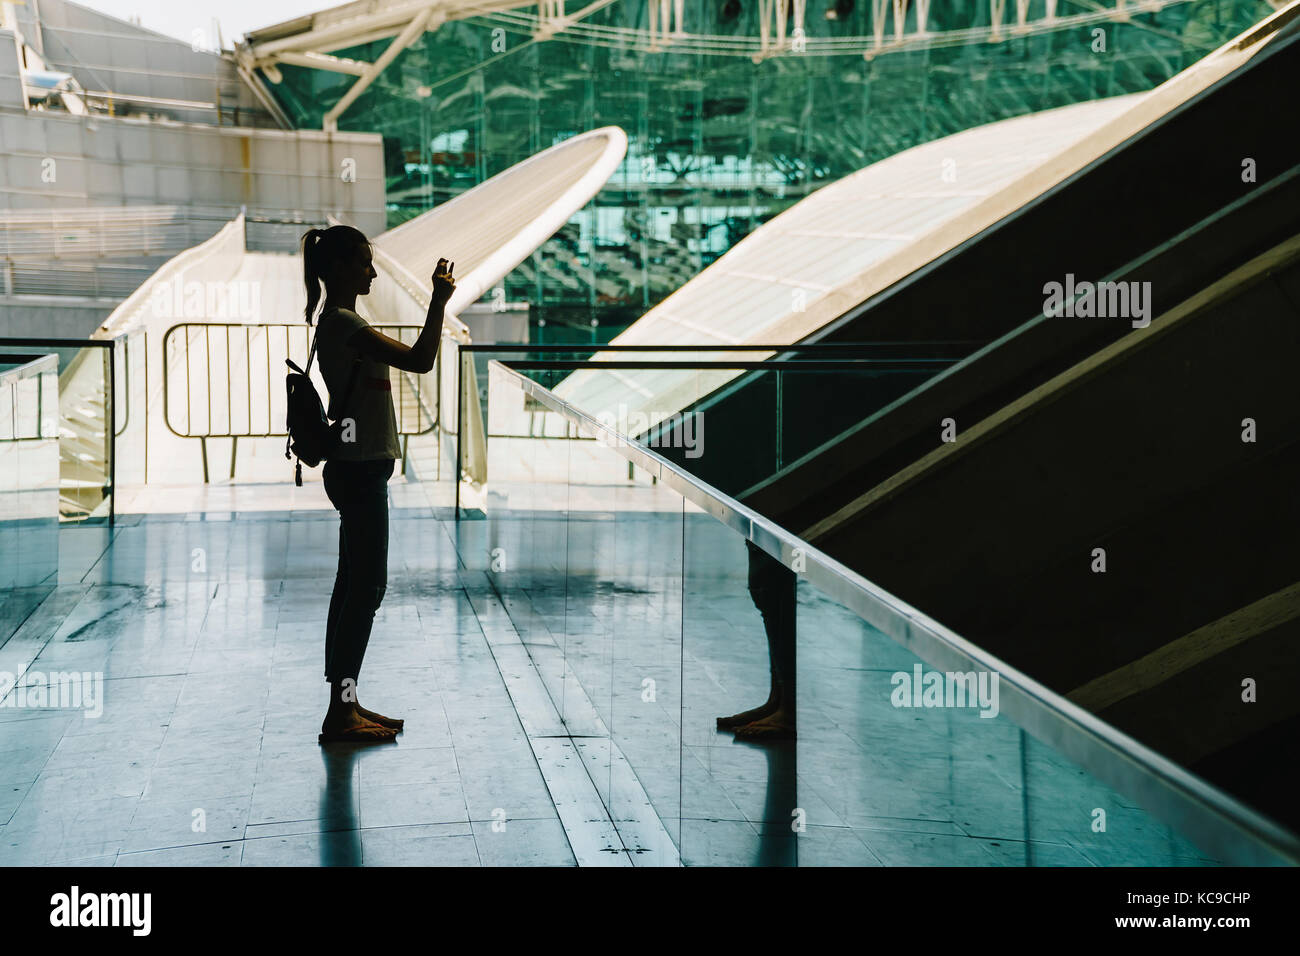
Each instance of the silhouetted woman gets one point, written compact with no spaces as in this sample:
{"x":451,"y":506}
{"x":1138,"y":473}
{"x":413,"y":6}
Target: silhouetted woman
{"x":356,"y":476}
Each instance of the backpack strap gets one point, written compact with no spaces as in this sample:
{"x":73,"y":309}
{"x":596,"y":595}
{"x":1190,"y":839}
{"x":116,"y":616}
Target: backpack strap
{"x":311,"y":354}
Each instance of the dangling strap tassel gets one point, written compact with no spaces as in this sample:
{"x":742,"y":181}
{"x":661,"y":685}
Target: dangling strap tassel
{"x":297,"y":474}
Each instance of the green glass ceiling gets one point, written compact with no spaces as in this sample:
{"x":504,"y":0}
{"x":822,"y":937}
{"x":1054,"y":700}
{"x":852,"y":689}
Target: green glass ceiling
{"x":717,"y":144}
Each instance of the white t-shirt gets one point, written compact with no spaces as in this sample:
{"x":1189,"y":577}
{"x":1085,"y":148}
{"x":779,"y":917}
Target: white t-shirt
{"x":370,"y":405}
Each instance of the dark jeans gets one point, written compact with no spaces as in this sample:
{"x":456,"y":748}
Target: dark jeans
{"x":359,"y":490}
{"x":772,"y":586}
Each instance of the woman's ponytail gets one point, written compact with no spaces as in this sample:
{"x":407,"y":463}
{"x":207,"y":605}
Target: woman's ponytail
{"x":320,"y":247}
{"x":311,"y":269}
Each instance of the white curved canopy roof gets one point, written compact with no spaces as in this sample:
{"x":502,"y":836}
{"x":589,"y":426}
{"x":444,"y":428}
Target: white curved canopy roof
{"x":493,"y":227}
{"x":822,"y":256}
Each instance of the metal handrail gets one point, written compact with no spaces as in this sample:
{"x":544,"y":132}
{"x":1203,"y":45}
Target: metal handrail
{"x":836,"y":348}
{"x":26,"y":367}
{"x":428,"y":416}
{"x":126,"y":338}
{"x":839,"y":357}
{"x":248,"y":329}
{"x":748,"y":366}
{"x":1218,"y":822}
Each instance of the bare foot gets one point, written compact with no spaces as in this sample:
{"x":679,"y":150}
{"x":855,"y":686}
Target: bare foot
{"x":351,"y":726}
{"x":394,"y":723}
{"x":747,"y":716}
{"x":778,"y":725}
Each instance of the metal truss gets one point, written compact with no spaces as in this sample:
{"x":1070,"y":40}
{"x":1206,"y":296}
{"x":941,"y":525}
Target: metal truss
{"x":307,"y":41}
{"x":896,"y":25}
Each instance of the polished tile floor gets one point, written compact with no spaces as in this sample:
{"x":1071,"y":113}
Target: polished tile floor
{"x":559,"y":712}
{"x":208,"y":636}
{"x":612,"y":602}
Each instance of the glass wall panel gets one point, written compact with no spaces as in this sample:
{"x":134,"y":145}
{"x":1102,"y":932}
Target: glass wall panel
{"x":29,"y":477}
{"x":719,"y":140}
{"x":730,"y":698}
{"x":583,"y":552}
{"x":84,"y":404}
{"x":875,"y":757}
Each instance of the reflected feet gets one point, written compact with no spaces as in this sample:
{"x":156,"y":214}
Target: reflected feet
{"x":778,"y":725}
{"x":748,"y":716}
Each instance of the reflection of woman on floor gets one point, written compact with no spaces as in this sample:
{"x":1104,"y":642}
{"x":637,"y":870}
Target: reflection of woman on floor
{"x":355,"y":360}
{"x":772,"y":587}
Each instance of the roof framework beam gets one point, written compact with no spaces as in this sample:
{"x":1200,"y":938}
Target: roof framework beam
{"x":306,"y":41}
{"x":552,"y":19}
{"x":386,"y":21}
{"x":665,"y":19}
{"x":404,"y":39}
{"x":323,"y":61}
{"x":772,"y":17}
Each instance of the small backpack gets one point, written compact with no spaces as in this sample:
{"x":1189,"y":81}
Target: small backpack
{"x":312,"y":438}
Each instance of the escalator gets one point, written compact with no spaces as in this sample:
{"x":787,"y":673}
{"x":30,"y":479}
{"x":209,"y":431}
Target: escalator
{"x":1106,"y":503}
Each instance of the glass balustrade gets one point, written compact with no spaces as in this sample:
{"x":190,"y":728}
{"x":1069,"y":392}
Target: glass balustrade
{"x":652,"y":604}
{"x":29,"y":472}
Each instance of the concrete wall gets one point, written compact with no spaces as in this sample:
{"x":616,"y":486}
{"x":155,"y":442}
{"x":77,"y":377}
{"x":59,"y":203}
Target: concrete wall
{"x":485,"y":325}
{"x":53,"y":160}
{"x":167,"y":153}
{"x":11,"y":92}
{"x":52,"y":316}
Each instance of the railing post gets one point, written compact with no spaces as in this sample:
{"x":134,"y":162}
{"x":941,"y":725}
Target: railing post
{"x":460,"y":424}
{"x":144,"y":338}
{"x":780,"y":413}
{"x":437,"y":409}
{"x":40,"y":407}
{"x":110,"y":419}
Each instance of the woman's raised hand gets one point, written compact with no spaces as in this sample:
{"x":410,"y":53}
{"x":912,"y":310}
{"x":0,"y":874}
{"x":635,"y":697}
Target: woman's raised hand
{"x":444,"y":284}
